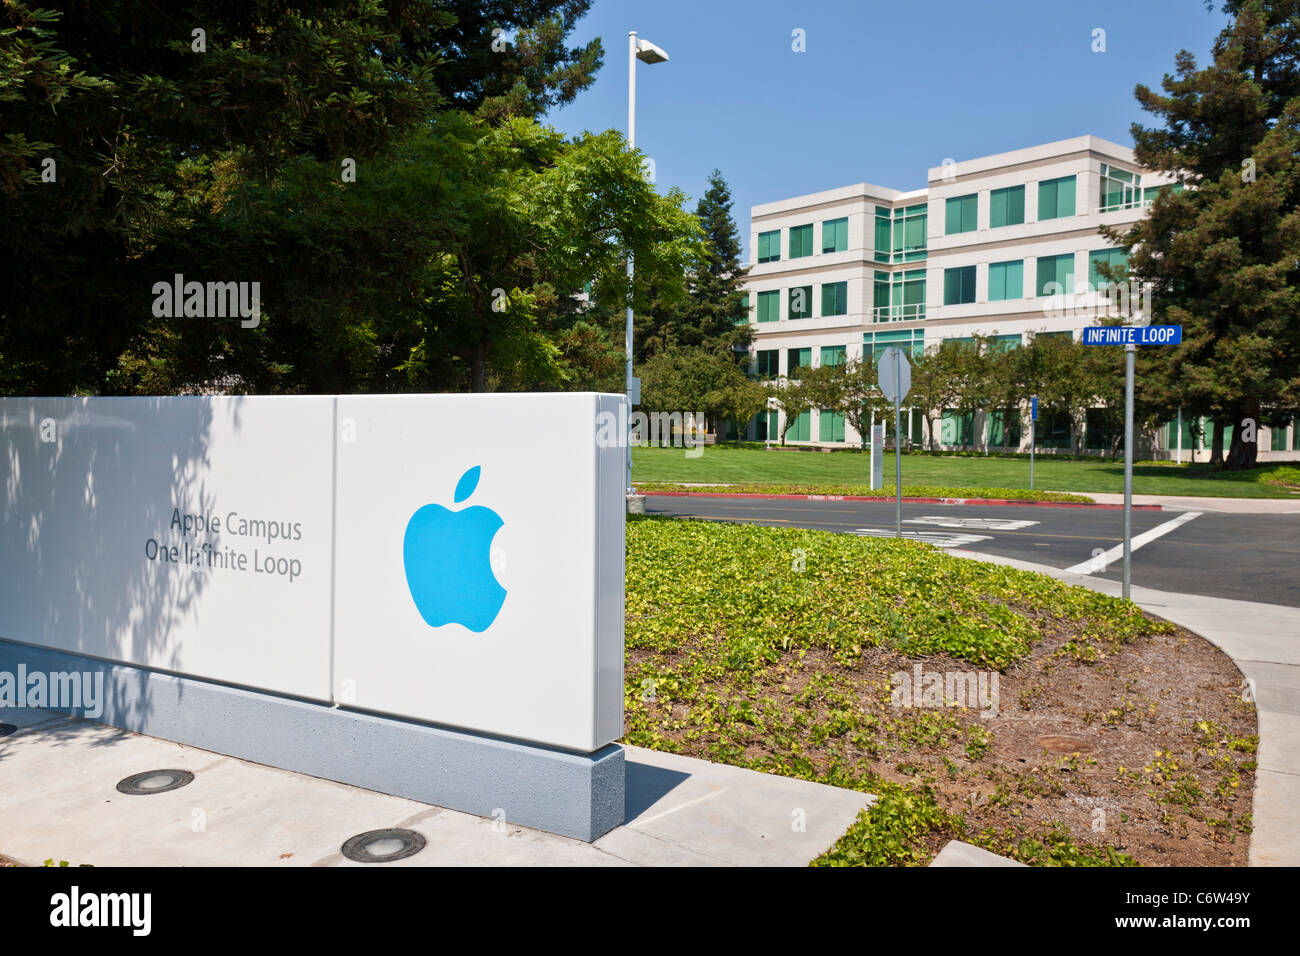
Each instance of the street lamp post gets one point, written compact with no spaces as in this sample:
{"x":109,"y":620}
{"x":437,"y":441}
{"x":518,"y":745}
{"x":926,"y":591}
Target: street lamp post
{"x":646,"y":52}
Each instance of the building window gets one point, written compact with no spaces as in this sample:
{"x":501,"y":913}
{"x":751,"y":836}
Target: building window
{"x":1055,"y":274}
{"x":873,"y":343}
{"x":1007,"y":207}
{"x":801,"y":430}
{"x":830,"y":426}
{"x":834,"y":354}
{"x":767,"y":364}
{"x":835,"y":298}
{"x":795,"y":359}
{"x":959,"y":285}
{"x":1056,"y":198}
{"x":743,"y":318}
{"x":769,"y":306}
{"x":800,"y":302}
{"x":1150,"y":193}
{"x":769,"y":246}
{"x":1120,"y":189}
{"x":1006,"y":280}
{"x":835,"y":235}
{"x":1116,"y":259}
{"x":909,"y":234}
{"x":882,"y":234}
{"x":961,"y":214}
{"x":899,"y":297}
{"x":1004,"y":343}
{"x":801,"y":241}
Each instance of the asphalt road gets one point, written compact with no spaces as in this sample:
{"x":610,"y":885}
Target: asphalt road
{"x":1247,"y":557}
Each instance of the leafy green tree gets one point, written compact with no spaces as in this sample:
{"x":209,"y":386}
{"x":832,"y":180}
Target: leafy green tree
{"x":935,"y":385}
{"x":1224,"y":256}
{"x":738,"y":401}
{"x":683,"y":379}
{"x":852,"y":391}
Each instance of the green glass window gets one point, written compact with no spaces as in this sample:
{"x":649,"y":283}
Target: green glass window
{"x":880,"y":300}
{"x":1120,"y":189}
{"x":769,"y":246}
{"x":1004,"y":343}
{"x":769,"y":306}
{"x":834,"y":354}
{"x":882,"y":234}
{"x":743,"y":317}
{"x":767,"y":364}
{"x":1150,"y":193}
{"x":1277,"y":434}
{"x":873,"y":343}
{"x":1007,"y":207}
{"x":801,"y":241}
{"x":801,"y":430}
{"x":835,"y":298}
{"x":1114,"y":258}
{"x":830,"y":426}
{"x":796,"y":359}
{"x":801,"y":303}
{"x":835,"y":235}
{"x":961,"y":214}
{"x":959,"y":285}
{"x":1055,"y":274}
{"x":1056,"y":198}
{"x":1006,"y":280}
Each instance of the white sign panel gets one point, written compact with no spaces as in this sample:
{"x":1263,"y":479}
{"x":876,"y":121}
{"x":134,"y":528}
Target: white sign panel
{"x":183,"y":534}
{"x":480,"y":563}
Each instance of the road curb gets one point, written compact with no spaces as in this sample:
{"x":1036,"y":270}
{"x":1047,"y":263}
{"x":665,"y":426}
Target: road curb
{"x":924,"y":501}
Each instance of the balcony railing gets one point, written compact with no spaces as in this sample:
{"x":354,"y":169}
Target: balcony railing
{"x":898,"y":313}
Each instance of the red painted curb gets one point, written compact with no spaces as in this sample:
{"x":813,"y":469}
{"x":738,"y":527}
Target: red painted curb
{"x":930,"y":501}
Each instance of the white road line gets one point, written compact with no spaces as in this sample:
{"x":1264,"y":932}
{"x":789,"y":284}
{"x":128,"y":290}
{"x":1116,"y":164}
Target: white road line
{"x":1101,"y":561}
{"x":980,"y":524}
{"x":937,"y":538}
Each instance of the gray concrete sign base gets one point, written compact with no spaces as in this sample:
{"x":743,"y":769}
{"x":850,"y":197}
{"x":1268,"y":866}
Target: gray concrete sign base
{"x":575,"y":795}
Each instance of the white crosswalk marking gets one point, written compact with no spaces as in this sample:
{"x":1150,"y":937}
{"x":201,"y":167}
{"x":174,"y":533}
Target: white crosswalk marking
{"x":937,"y":538}
{"x":1100,"y":562}
{"x":982,"y":524}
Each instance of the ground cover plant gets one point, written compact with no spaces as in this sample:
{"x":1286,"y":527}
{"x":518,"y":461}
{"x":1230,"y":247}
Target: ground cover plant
{"x":1116,"y":739}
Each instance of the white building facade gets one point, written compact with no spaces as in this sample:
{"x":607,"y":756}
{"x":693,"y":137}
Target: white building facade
{"x":986,"y":249}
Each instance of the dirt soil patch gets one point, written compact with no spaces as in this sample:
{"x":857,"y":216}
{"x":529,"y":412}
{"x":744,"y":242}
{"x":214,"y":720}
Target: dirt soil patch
{"x":1146,"y":747}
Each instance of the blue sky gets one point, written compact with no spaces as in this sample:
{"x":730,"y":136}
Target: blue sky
{"x":884,"y":90}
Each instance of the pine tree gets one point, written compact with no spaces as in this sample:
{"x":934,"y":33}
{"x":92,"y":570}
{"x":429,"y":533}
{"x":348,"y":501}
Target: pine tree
{"x":718,"y":299}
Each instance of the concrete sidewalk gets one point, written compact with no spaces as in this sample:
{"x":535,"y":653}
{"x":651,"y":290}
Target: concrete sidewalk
{"x":59,"y":801}
{"x":1239,"y":506}
{"x":1263,"y":640}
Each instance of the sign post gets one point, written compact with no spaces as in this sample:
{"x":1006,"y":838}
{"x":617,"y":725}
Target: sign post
{"x":1033,"y":438}
{"x":895,"y":382}
{"x":1130,"y":336}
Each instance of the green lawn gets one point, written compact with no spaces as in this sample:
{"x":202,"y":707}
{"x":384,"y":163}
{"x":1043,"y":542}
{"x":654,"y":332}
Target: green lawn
{"x":722,"y":465}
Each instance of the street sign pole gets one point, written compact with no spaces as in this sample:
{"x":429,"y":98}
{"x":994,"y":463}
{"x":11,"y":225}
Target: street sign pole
{"x":1033,"y":437}
{"x":895,"y":379}
{"x":1130,"y":351}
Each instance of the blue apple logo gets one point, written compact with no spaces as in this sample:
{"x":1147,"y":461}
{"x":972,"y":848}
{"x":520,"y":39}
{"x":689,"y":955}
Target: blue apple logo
{"x":448,"y":562}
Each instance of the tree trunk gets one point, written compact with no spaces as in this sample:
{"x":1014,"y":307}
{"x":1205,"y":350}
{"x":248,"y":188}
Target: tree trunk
{"x":478,"y":368}
{"x":1216,"y":443}
{"x":1243,"y":454}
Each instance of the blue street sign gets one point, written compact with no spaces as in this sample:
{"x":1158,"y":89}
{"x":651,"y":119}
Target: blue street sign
{"x":1033,"y":408}
{"x":1133,"y":335}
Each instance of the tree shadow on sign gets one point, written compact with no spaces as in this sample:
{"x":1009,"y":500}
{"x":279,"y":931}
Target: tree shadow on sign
{"x":85,"y":485}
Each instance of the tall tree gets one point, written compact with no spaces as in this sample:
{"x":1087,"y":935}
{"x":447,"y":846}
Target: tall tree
{"x":716,"y":316}
{"x":1224,"y":256}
